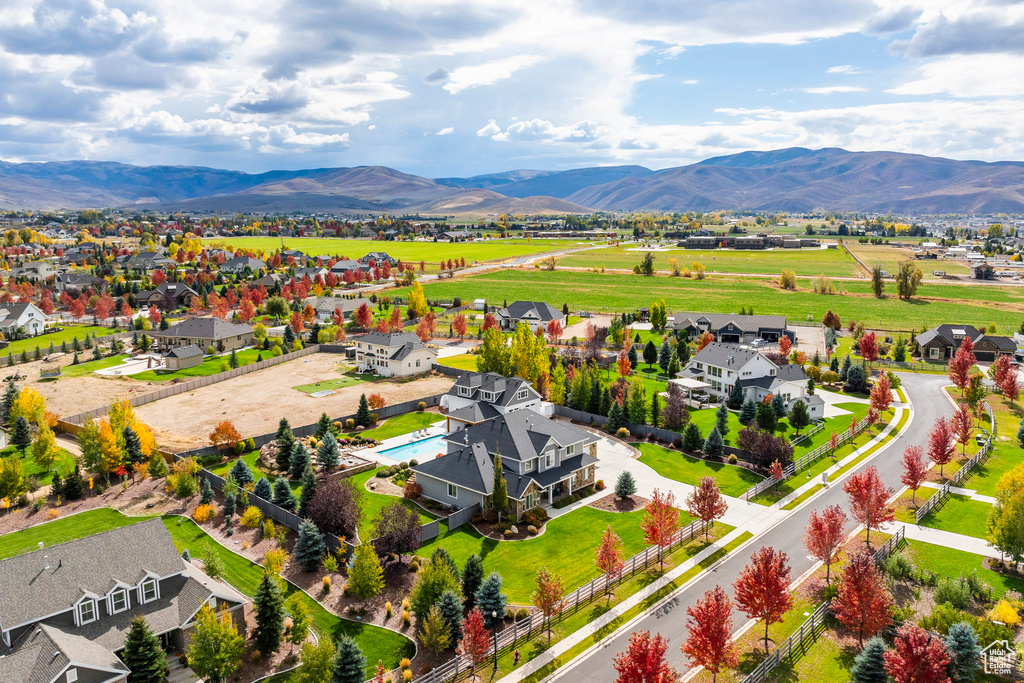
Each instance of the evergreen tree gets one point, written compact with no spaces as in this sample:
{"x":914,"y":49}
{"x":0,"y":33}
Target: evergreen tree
{"x":285,"y":442}
{"x":268,"y":605}
{"x":616,"y":417}
{"x":308,"y":489}
{"x":132,"y":452}
{"x":779,"y":406}
{"x":366,"y":577}
{"x":22,"y":437}
{"x":233,"y":360}
{"x":625,"y":485}
{"x":833,"y":364}
{"x":765,"y":418}
{"x":810,"y":386}
{"x":632,"y":357}
{"x":1020,"y":434}
{"x":499,"y":491}
{"x":451,"y":611}
{"x":324,"y":427}
{"x":472,"y":578}
{"x":655,"y":409}
{"x":38,"y":355}
{"x":869,"y":665}
{"x":206,"y":493}
{"x":283,"y":496}
{"x":363,"y":412}
{"x":327,"y":454}
{"x":713,"y":445}
{"x":10,"y":395}
{"x":683,"y":352}
{"x":747,"y":412}
{"x":847,"y":363}
{"x":606,"y":402}
{"x":143,"y":655}
{"x":264,"y":490}
{"x":73,"y":485}
{"x":964,"y":652}
{"x":674,"y":366}
{"x":289,"y":337}
{"x":349,"y":662}
{"x":799,"y":417}
{"x":96,"y":353}
{"x":241,"y":473}
{"x":692,"y":439}
{"x":299,"y":460}
{"x":650,"y":354}
{"x":230,"y":503}
{"x":490,"y":600}
{"x":595,"y":397}
{"x":664,"y":355}
{"x":722,"y":420}
{"x":309,"y":547}
{"x":735,"y":400}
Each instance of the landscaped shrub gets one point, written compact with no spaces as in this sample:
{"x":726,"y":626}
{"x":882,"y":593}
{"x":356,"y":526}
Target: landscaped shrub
{"x":536,"y":516}
{"x":733,"y":459}
{"x":421,"y":406}
{"x":412,"y":490}
{"x":404,"y":466}
{"x":677,"y":442}
{"x":203,"y":513}
{"x":252,"y":517}
{"x":374,"y":418}
{"x":898,"y":566}
{"x":954,"y":592}
{"x":350,"y":423}
{"x":327,"y":584}
{"x":622,"y":433}
{"x":532,"y":530}
{"x":600,"y":485}
{"x":522,"y":613}
{"x":1006,"y":613}
{"x":414,"y":462}
{"x":383,"y":473}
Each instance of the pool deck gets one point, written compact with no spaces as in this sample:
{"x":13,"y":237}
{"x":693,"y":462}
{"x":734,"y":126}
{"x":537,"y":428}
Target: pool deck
{"x":435,"y":429}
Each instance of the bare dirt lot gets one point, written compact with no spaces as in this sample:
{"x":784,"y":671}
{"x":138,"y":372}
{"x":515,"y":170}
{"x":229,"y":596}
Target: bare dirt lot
{"x":256,"y":402}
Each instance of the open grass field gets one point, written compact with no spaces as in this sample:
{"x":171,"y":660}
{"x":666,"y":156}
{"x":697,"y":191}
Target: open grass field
{"x":371,"y":504}
{"x":402,"y":424}
{"x":89,"y":366}
{"x":805,"y":262}
{"x":732,"y":480}
{"x":1006,"y":454}
{"x":63,"y":464}
{"x":935,"y":304}
{"x":465,"y":361}
{"x":68,"y":334}
{"x":431,"y":252}
{"x":324,"y":385}
{"x":959,"y":514}
{"x":889,"y":257}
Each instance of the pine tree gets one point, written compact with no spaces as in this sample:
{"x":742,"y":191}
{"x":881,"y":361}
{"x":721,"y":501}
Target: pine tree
{"x":22,"y":437}
{"x":631,"y":356}
{"x":664,"y":355}
{"x":206,"y":493}
{"x":241,"y":473}
{"x":233,"y":360}
{"x":327,"y":454}
{"x":230,"y":502}
{"x":285,"y":441}
{"x":366,"y":578}
{"x":132,"y":452}
{"x":606,"y":402}
{"x":283,"y":496}
{"x":833,"y":364}
{"x":472,"y":579}
{"x":491,"y":600}
{"x":692,"y":439}
{"x":713,"y":445}
{"x":10,"y":396}
{"x":964,"y":652}
{"x":499,"y":491}
{"x":435,"y":632}
{"x":616,"y":417}
{"x":735,"y":397}
{"x":1020,"y":434}
{"x":269,"y":607}
{"x":363,"y":412}
{"x":625,"y":485}
{"x":451,"y":611}
{"x":299,"y":460}
{"x":349,"y":662}
{"x":143,"y":655}
{"x":747,"y":412}
{"x":309,"y":547}
{"x":655,"y":409}
{"x":869,"y":665}
{"x":73,"y":485}
{"x":308,"y":489}
{"x":846,"y":368}
{"x":779,"y":406}
{"x":324,"y":427}
{"x":264,"y":490}
{"x":722,"y":420}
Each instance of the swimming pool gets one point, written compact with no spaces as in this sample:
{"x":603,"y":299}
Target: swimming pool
{"x":424,"y":449}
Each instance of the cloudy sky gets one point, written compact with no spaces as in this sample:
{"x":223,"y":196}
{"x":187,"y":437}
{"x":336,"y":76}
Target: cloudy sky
{"x":460,"y":87}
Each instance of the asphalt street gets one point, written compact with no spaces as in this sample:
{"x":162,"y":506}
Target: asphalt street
{"x":595,"y":665}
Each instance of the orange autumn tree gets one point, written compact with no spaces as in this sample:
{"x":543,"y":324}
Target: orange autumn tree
{"x":825,"y":535}
{"x":661,"y":521}
{"x":862,"y":603}
{"x":609,"y":557}
{"x":225,"y":436}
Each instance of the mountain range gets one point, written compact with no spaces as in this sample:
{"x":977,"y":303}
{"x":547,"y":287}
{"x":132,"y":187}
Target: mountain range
{"x":793,"y":180}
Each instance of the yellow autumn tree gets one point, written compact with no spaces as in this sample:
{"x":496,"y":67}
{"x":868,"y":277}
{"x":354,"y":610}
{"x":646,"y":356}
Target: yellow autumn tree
{"x":31,"y":405}
{"x":110,"y":448}
{"x":146,"y":439}
{"x":44,"y":450}
{"x":122,"y":414}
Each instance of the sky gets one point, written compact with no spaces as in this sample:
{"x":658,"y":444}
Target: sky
{"x":463,"y":87}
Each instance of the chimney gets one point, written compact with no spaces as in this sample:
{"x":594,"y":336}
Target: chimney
{"x":46,"y":561}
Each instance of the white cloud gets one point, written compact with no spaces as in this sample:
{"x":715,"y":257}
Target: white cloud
{"x":691,"y":81}
{"x":490,"y":129}
{"x":466,"y":77}
{"x":968,"y":76}
{"x":545,"y":131}
{"x":445,"y":131}
{"x":832,"y":89}
{"x":847,"y":69}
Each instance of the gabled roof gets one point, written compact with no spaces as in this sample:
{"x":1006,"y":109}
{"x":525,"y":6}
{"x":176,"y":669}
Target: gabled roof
{"x":475,"y":412}
{"x":204,"y":328}
{"x":329,"y":303}
{"x":240,"y":262}
{"x":948,"y":334}
{"x":732,"y":356}
{"x":504,"y":388}
{"x":1001,"y":343}
{"x":520,"y":435}
{"x":469,"y":467}
{"x":716,"y":321}
{"x":13,"y":311}
{"x":46,"y":651}
{"x":390,"y":339}
{"x":171,"y":290}
{"x":348,"y":264}
{"x":537,"y":309}
{"x":189,"y":351}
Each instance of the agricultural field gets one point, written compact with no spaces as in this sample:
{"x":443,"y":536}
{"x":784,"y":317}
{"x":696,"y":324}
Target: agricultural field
{"x":607,"y":292}
{"x":889,"y":257}
{"x":431,"y":252}
{"x":805,"y":262}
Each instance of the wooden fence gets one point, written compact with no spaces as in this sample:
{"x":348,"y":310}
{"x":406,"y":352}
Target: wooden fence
{"x":459,"y":667}
{"x":982,"y":455}
{"x":805,"y":636}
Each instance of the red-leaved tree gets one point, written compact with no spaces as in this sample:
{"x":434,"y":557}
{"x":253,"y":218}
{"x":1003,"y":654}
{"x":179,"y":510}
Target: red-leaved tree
{"x":1010,"y":387}
{"x":962,"y":426}
{"x":489,"y":322}
{"x":706,"y":503}
{"x":395,"y":320}
{"x":961,"y":363}
{"x":941,"y":443}
{"x":554,"y":331}
{"x":704,"y":340}
{"x":476,"y":641}
{"x":762,"y":589}
{"x":999,"y":370}
{"x":622,"y":364}
{"x":777,"y":473}
{"x":364,"y":316}
{"x":868,"y":496}
{"x":709,"y":633}
{"x":609,"y":557}
{"x":869,"y":347}
{"x":644,"y":660}
{"x":862,"y":602}
{"x":917,"y":657}
{"x":881,"y":394}
{"x":824,"y":536}
{"x":660,"y":522}
{"x":785,"y":344}
{"x":548,"y":597}
{"x":459,"y":325}
{"x":914,"y":470}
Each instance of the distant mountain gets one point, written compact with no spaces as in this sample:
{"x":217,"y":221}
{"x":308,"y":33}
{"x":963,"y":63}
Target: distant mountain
{"x":798,"y":179}
{"x":794,"y":179}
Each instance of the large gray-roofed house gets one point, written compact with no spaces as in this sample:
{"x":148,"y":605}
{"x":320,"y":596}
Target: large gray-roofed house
{"x":734,"y":329}
{"x":479,"y":396}
{"x":393,"y":354}
{"x":326,"y":305}
{"x":204,"y":332}
{"x":941,"y":343}
{"x":238,"y":264}
{"x":536,"y":314}
{"x":47,"y":655}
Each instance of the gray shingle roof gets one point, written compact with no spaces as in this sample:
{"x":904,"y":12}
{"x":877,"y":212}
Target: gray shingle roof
{"x":521,"y":435}
{"x":45,"y":651}
{"x":504,"y":388}
{"x":725,"y":355}
{"x":390,"y":339}
{"x":520,"y":309}
{"x":189,"y":351}
{"x":716,"y":321}
{"x":469,"y":467}
{"x":204,"y":328}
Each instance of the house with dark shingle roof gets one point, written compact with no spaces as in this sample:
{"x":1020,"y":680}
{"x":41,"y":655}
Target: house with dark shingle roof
{"x":479,"y":396}
{"x":941,"y":343}
{"x":65,"y":610}
{"x":181,"y":357}
{"x":26,"y":317}
{"x":167,"y":295}
{"x":238,"y":264}
{"x":326,"y":305}
{"x":393,"y":354}
{"x":732,"y":329}
{"x":204,"y":333}
{"x":542,"y":460}
{"x":536,"y":314}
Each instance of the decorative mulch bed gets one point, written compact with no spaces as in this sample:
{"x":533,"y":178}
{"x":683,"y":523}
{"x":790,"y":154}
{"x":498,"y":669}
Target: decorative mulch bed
{"x":611,"y":503}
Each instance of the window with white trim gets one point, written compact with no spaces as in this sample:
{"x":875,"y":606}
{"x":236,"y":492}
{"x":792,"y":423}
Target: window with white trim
{"x":528,"y":466}
{"x":72,"y":675}
{"x":86,"y":612}
{"x":549,"y":460}
{"x":149,"y":592}
{"x":118,"y":601}
{"x":521,"y":394}
{"x":465,"y":391}
{"x":453,"y":491}
{"x":570,"y":449}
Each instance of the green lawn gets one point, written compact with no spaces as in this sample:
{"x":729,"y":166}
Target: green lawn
{"x":934,"y":304}
{"x":1006,"y":453}
{"x":211,"y":365}
{"x":806,"y":262}
{"x":949,"y":562}
{"x":732,"y":480}
{"x":63,"y":530}
{"x":91,"y":366}
{"x":224,"y":468}
{"x":960,"y":515}
{"x":66,"y":335}
{"x":518,"y":561}
{"x":466,"y":361}
{"x":323,"y":385}
{"x":371,"y":504}
{"x":402,"y":424}
{"x":375,"y":642}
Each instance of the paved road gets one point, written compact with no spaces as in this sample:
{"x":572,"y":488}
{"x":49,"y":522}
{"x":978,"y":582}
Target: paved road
{"x":595,"y":666}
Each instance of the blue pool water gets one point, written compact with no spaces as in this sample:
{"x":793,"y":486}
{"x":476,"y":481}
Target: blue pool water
{"x":424,"y":449}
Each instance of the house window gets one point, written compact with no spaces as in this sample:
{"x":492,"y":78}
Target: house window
{"x":521,"y":394}
{"x":549,"y":460}
{"x":417,"y":363}
{"x":87,"y":612}
{"x":118,"y":601}
{"x":570,"y":449}
{"x":933,"y":352}
{"x":149,"y":590}
{"x":464,"y":391}
{"x":531,"y":501}
{"x":72,"y":675}
{"x":453,"y":491}
{"x":528,"y":466}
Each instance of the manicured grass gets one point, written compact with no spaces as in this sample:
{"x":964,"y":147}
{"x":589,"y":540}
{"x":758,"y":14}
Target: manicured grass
{"x":63,"y":529}
{"x":68,"y":334}
{"x":950,"y":562}
{"x":63,"y":464}
{"x":210,"y":366}
{"x":732,"y":480}
{"x":1006,"y":453}
{"x":806,"y":262}
{"x":370,"y":505}
{"x":224,"y":468}
{"x":324,"y":385}
{"x":960,"y":515}
{"x":91,"y":366}
{"x":402,"y":424}
{"x":934,"y":304}
{"x":466,"y":361}
{"x":889,"y":257}
{"x":823,"y":662}
{"x":375,"y":642}
{"x":518,"y":561}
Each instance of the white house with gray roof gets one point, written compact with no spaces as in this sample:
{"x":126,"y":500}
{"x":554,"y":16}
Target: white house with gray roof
{"x":65,"y":610}
{"x":393,"y":354}
{"x":479,"y":396}
{"x":732,"y":329}
{"x":536,"y":314}
{"x":21,"y":320}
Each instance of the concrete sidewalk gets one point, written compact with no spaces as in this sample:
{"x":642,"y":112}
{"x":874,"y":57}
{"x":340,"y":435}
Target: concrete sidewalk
{"x":946,"y":539}
{"x":957,"y":491}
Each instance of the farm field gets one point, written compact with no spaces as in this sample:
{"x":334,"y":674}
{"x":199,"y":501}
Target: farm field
{"x":935,"y":304}
{"x":431,"y":252}
{"x":806,"y":262}
{"x":889,"y":257}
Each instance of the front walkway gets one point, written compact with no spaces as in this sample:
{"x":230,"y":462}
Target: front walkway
{"x":946,"y":539}
{"x":957,"y":491}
